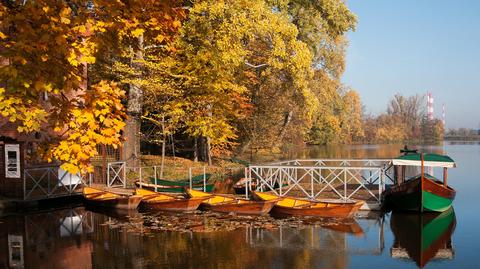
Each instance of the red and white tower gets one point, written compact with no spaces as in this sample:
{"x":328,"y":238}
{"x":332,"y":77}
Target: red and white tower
{"x":429,"y":106}
{"x":443,"y":114}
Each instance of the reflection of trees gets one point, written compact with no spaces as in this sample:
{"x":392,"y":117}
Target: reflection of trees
{"x":82,"y":239}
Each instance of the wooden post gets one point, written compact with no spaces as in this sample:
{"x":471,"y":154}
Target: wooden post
{"x":445,"y":175}
{"x":421,"y":181}
{"x":104,"y":162}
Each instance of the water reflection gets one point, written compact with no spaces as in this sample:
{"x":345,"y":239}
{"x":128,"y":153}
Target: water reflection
{"x":423,"y":237}
{"x":79,"y":238}
{"x":58,"y":238}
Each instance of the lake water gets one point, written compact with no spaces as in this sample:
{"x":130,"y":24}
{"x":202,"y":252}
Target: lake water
{"x":78,"y":238}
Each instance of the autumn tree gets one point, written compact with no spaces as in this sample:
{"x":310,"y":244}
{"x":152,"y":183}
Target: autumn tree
{"x":45,"y":49}
{"x":322,"y":25}
{"x":351,"y":117}
{"x":237,"y":51}
{"x":410,"y":110}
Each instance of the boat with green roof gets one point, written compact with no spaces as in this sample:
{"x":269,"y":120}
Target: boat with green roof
{"x":423,"y":192}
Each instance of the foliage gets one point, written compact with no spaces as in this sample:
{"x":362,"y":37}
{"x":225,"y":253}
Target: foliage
{"x":240,"y":53}
{"x":404,"y":121}
{"x":46,"y":46}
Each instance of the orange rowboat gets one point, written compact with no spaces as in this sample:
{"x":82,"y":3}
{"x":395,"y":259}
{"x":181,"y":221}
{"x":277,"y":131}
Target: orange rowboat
{"x":164,"y":202}
{"x":230,"y":204}
{"x":289,"y":206}
{"x":97,"y":197}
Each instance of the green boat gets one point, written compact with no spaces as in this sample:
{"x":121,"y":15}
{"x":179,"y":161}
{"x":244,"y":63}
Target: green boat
{"x":423,"y":237}
{"x":198,"y":179}
{"x":175,"y":189}
{"x":421,"y":193}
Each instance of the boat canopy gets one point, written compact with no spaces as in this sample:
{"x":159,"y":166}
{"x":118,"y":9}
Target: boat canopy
{"x":430,"y":160}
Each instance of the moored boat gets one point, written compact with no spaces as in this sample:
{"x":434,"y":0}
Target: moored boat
{"x":174,"y":189}
{"x":290,"y":206}
{"x":196,"y":180}
{"x":98,"y":197}
{"x":164,"y":202}
{"x":230,"y":204}
{"x":423,"y":192}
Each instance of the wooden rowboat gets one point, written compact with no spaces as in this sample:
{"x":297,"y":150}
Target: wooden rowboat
{"x":164,"y":202}
{"x":290,"y":206}
{"x":97,"y":197}
{"x":229,"y":204}
{"x":173,"y":189}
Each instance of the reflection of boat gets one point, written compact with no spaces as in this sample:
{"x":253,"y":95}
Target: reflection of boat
{"x":349,"y":228}
{"x":227,"y":204}
{"x":196,"y":180}
{"x":165,"y":202}
{"x":97,"y":197}
{"x":423,"y":192}
{"x":291,"y":206}
{"x":174,"y":189}
{"x":423,"y":237}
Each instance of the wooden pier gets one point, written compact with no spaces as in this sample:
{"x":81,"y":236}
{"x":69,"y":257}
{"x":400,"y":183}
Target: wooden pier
{"x":345,"y":179}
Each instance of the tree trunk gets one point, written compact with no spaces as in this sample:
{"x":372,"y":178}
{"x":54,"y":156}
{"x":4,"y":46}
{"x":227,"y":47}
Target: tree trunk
{"x":283,"y":131}
{"x":208,"y":152}
{"x":134,"y":109}
{"x":173,"y":146}
{"x":195,"y":149}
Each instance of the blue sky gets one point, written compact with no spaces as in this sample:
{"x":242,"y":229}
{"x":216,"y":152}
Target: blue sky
{"x":413,"y":46}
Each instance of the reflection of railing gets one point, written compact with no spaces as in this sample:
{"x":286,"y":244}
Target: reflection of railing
{"x":370,"y":241}
{"x":50,"y":182}
{"x":314,"y":177}
{"x":64,"y":223}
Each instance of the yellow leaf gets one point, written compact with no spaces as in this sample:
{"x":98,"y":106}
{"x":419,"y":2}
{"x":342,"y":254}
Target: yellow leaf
{"x":137,"y":32}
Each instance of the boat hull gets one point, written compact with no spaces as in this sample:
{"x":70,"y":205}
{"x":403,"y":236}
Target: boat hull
{"x":123,"y":202}
{"x":408,"y":196}
{"x":177,"y":205}
{"x":196,"y":180}
{"x":291,"y":206}
{"x":340,"y":210}
{"x":244,"y":207}
{"x":175,"y":189}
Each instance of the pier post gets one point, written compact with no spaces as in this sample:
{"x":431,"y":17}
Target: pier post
{"x":204,"y":178}
{"x":155,"y":172}
{"x":190,"y":176}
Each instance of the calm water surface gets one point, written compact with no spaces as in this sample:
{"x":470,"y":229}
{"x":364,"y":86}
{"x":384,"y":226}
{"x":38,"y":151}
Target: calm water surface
{"x":79,"y":238}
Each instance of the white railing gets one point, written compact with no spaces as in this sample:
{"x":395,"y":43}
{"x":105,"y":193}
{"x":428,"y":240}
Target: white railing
{"x":314,"y":177}
{"x":50,"y":182}
{"x":116,"y":174}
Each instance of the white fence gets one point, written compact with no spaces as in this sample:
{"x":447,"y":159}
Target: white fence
{"x":50,"y":182}
{"x":314,"y":177}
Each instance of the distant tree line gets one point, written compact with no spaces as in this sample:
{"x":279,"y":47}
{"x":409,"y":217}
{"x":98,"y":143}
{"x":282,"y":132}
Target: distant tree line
{"x":405,"y":120}
{"x":462,"y":134}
